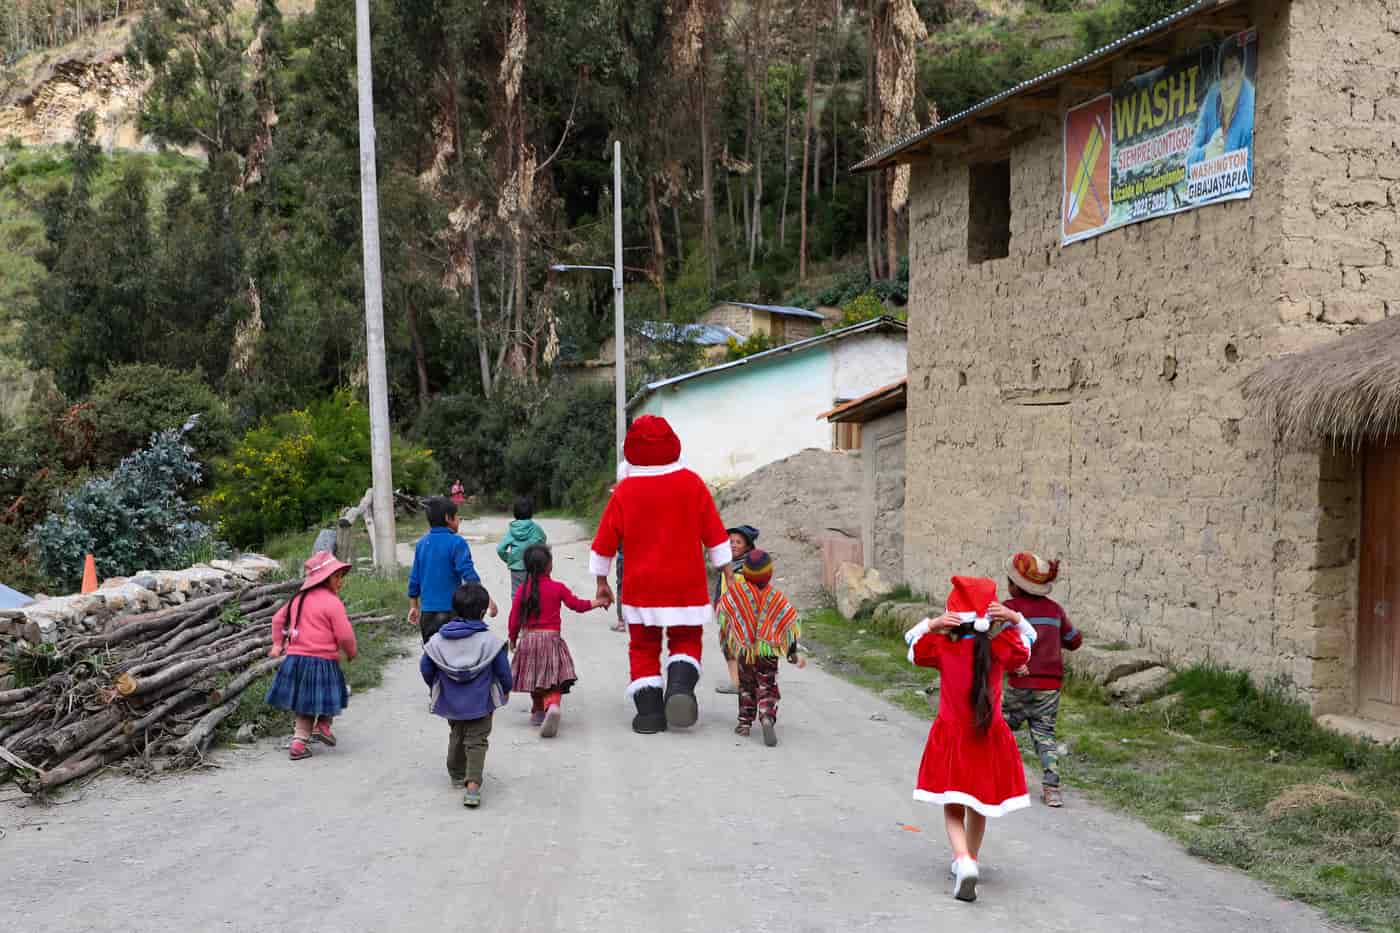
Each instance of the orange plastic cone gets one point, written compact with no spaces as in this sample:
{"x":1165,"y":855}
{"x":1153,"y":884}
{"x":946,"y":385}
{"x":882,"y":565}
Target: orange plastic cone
{"x":89,"y":575}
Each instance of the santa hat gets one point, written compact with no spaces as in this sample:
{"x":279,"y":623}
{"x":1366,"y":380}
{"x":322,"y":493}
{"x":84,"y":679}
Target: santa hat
{"x":651,"y":443}
{"x":969,"y":601}
{"x":1032,"y":573}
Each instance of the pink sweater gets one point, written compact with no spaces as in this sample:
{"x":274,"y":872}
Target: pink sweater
{"x":553,"y":594}
{"x":322,"y":627}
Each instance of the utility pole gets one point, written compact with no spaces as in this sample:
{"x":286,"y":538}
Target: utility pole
{"x":385,"y":560}
{"x":619,"y":333}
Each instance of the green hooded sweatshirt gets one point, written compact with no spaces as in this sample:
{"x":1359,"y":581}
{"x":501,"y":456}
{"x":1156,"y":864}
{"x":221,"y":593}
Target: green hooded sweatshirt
{"x":522,"y":534}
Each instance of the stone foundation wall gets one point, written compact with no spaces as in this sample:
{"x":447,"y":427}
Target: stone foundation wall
{"x":50,"y":619}
{"x":1084,"y":401}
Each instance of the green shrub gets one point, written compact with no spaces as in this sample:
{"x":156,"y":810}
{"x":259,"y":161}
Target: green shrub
{"x":135,"y":401}
{"x":299,"y":467}
{"x":133,"y":519}
{"x":757,"y":342}
{"x":863,"y":307}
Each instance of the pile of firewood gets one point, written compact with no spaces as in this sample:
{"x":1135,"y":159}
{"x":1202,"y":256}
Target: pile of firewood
{"x":153,"y":685}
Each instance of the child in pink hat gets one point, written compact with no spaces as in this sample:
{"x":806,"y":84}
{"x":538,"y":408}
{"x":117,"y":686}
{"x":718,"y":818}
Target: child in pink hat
{"x":312,"y":630}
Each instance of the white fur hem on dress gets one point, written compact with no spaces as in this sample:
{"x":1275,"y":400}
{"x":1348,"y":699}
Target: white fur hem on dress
{"x":967,"y":800}
{"x":693,"y":662}
{"x":600,"y":566}
{"x":642,"y":683}
{"x":668,"y":616}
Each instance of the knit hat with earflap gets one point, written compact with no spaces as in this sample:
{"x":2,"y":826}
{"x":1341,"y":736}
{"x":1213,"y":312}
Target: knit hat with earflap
{"x":969,"y":601}
{"x":1032,"y":573}
{"x":758,"y":568}
{"x":651,"y":443}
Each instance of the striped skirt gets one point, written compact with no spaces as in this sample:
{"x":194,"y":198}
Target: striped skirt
{"x":309,"y":687}
{"x":542,"y":662}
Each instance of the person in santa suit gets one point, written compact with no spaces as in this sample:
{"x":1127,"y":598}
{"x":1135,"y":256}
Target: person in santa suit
{"x":665,"y":518}
{"x":971,"y":765}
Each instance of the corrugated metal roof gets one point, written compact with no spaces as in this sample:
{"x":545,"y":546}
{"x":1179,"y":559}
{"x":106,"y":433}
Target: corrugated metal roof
{"x":1133,"y":38}
{"x":879,"y":323}
{"x":778,"y":309}
{"x":705,"y":335}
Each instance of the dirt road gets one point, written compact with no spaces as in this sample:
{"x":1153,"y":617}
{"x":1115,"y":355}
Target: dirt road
{"x":599,"y":829}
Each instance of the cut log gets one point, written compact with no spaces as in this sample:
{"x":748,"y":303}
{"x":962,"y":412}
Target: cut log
{"x":8,"y":697}
{"x":230,"y":656}
{"x":63,"y":742}
{"x":195,"y":741}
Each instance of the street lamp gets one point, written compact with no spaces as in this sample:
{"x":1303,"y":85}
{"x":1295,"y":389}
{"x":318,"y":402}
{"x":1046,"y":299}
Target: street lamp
{"x":616,"y":270}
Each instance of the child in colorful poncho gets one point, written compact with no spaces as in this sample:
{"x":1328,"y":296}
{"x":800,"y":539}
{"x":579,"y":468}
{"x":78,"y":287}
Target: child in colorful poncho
{"x":761,"y":627}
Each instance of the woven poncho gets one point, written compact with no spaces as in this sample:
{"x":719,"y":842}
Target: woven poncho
{"x":760,"y":623}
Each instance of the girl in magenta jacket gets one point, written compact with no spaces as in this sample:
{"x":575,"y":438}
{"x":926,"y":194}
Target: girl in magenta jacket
{"x":542,"y":664}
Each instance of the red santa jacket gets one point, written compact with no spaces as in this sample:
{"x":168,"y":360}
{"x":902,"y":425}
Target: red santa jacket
{"x":666,"y":521}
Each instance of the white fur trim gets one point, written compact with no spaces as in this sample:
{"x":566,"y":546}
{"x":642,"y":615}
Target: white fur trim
{"x":667,"y":616}
{"x":641,"y":683}
{"x":598,"y":565}
{"x":911,"y":637}
{"x":662,"y":470}
{"x":721,"y":554}
{"x":1027,"y":632}
{"x":967,"y":800}
{"x":693,"y":662}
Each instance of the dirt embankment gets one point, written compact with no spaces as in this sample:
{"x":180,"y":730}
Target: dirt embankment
{"x":793,"y":503}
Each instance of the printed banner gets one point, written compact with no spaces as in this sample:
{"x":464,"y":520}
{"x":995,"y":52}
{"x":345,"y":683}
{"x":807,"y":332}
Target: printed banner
{"x":1170,"y":140}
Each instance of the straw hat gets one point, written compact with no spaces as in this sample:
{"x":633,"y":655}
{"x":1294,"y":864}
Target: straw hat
{"x":1032,"y":573}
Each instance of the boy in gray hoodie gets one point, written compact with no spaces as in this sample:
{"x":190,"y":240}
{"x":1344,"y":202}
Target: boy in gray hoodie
{"x":523,"y":533}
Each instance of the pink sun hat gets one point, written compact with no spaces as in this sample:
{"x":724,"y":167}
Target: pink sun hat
{"x":319,"y":568}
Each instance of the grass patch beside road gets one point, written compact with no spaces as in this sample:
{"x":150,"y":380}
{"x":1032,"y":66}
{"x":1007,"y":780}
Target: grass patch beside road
{"x":1240,"y":775}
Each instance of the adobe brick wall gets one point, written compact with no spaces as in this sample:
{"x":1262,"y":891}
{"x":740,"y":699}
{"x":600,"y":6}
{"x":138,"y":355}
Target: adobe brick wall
{"x":1084,"y":401}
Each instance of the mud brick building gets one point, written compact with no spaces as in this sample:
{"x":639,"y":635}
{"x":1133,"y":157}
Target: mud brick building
{"x":1083,"y":393}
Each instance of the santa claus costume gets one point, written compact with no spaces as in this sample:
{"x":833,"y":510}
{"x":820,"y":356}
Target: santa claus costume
{"x":965,"y":766}
{"x":665,"y":518}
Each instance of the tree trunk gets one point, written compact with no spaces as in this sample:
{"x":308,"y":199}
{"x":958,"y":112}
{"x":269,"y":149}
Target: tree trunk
{"x":420,"y":356}
{"x":483,"y":355}
{"x":891,"y":229}
{"x":806,"y":162}
{"x":787,"y":159}
{"x":872,"y":179}
{"x":707,"y":177}
{"x":760,"y":125}
{"x":658,"y":244}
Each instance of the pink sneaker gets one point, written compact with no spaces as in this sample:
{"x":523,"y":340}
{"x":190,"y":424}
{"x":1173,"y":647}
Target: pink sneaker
{"x":298,"y":750}
{"x":322,"y":733}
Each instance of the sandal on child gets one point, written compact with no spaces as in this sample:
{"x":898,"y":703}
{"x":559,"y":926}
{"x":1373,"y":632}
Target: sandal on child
{"x":298,"y":749}
{"x":1052,"y":796}
{"x":323,"y":734}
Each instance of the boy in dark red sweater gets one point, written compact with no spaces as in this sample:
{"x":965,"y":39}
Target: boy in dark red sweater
{"x":1034,"y":691}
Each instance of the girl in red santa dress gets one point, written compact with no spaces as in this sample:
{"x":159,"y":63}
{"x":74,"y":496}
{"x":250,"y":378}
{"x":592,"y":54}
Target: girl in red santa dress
{"x":663,"y":515}
{"x":971,"y":765}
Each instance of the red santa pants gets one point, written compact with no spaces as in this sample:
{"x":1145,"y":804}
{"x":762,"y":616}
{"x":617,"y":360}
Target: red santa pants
{"x":683,"y":643}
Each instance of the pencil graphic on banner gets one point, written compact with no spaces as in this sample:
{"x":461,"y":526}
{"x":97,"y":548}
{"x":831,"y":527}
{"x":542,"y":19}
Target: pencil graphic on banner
{"x":1083,"y":176}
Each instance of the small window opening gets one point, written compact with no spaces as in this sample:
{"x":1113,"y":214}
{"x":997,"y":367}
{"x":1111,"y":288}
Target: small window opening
{"x":989,"y":211}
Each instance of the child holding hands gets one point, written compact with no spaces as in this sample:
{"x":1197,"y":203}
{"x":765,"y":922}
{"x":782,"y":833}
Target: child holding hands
{"x":542,"y":665}
{"x":971,"y":765}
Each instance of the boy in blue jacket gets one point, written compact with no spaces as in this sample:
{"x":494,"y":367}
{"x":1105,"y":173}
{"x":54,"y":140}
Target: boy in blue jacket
{"x":467,"y":668}
{"x":442,"y":561}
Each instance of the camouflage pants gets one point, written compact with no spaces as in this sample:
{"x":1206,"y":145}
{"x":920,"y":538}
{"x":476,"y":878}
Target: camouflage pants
{"x":1039,"y":709}
{"x":758,"y":689}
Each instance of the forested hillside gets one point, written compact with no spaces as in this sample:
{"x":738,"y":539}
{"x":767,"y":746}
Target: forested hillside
{"x":495,"y":122}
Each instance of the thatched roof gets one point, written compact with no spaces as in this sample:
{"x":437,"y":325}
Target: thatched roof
{"x":1347,"y":391}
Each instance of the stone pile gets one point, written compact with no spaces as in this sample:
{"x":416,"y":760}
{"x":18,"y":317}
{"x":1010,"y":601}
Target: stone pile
{"x":51,"y":619}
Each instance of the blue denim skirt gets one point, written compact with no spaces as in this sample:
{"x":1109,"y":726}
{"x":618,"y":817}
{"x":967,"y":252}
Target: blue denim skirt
{"x":309,"y":687}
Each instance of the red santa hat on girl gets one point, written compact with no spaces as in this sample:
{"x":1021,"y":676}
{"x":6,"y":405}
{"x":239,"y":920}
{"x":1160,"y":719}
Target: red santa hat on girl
{"x":650,"y":443}
{"x":969,"y":601}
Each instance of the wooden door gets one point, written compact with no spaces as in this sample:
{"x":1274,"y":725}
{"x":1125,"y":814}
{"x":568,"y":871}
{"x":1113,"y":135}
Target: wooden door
{"x":1378,"y":606}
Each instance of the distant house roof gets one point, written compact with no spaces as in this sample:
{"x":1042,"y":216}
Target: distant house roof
{"x":871,"y":405}
{"x":872,"y":325}
{"x":705,"y":335}
{"x":1202,"y":12}
{"x":784,"y":310}
{"x":13,"y":599}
